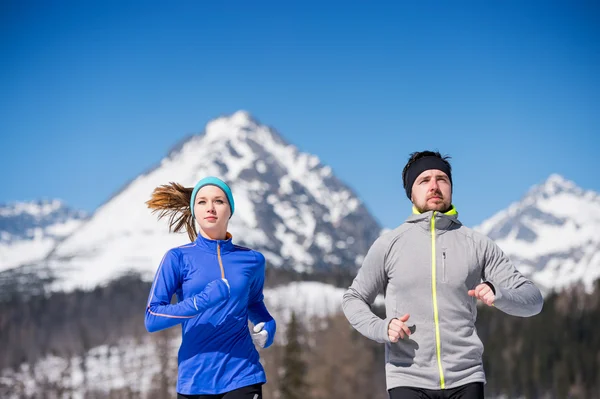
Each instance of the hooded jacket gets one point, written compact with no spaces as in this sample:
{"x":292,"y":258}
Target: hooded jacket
{"x":425,"y":268}
{"x":217,"y":354}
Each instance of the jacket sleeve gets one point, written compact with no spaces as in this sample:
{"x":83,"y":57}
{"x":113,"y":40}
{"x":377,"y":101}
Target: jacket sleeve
{"x":370,"y":281}
{"x":160,"y":313}
{"x":515,"y":294}
{"x":257,"y":310}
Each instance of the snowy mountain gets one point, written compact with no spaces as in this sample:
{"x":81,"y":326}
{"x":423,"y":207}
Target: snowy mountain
{"x":288,"y":205}
{"x":552,"y":233}
{"x":29,"y":230}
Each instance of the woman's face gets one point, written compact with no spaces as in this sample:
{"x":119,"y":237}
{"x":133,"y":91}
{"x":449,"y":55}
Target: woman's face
{"x":212,"y":212}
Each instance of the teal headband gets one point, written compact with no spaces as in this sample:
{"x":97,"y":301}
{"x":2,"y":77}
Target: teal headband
{"x":212,"y":181}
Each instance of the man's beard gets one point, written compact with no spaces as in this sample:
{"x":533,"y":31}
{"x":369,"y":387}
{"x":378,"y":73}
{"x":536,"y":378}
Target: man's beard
{"x":440,"y":197}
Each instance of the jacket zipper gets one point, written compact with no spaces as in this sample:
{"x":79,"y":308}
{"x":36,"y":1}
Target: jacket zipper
{"x":220,"y":260}
{"x":436,"y":319}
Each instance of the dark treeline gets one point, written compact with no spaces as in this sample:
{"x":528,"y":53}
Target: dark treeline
{"x":553,"y":355}
{"x":69,"y":324}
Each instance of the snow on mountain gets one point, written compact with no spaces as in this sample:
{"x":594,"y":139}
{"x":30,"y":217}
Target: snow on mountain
{"x":552,"y":233}
{"x":29,"y":230}
{"x":288,"y":205}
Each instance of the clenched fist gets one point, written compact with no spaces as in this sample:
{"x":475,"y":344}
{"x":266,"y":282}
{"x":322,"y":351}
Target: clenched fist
{"x":484,"y":293}
{"x":397,"y":329}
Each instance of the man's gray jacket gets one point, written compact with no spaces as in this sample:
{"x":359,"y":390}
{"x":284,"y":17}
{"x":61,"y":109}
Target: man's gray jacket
{"x":425,"y":268}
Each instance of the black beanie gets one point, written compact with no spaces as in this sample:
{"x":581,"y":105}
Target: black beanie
{"x":420,"y":166}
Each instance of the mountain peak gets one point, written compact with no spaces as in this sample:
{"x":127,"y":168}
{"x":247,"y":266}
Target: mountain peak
{"x":242,"y":118}
{"x":551,"y":233}
{"x":291,"y":207}
{"x":555,"y":184}
{"x":557,"y":179}
{"x":238,"y":120}
{"x":231,"y":128}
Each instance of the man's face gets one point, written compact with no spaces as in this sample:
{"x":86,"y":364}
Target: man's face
{"x":432,"y":191}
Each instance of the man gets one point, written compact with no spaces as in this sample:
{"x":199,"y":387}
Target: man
{"x":432,"y":270}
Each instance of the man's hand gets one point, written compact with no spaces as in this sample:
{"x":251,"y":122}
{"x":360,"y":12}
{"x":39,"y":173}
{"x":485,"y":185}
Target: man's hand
{"x":397,"y":328}
{"x":484,"y":293}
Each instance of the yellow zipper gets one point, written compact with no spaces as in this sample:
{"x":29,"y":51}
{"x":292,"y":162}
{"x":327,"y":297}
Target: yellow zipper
{"x":436,"y":318}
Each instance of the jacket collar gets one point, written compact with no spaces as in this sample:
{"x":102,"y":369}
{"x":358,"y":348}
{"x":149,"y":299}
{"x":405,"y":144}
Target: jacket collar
{"x":443,"y":221}
{"x":209,"y":245}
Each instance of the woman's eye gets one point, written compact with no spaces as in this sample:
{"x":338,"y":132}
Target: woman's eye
{"x":219,"y":201}
{"x":201,"y":202}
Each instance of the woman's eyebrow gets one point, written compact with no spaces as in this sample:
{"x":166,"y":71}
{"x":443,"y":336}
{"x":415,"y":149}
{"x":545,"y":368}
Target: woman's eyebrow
{"x":215,"y":197}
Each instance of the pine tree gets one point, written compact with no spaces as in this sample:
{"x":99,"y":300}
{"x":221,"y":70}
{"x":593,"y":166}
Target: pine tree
{"x":293,"y":383}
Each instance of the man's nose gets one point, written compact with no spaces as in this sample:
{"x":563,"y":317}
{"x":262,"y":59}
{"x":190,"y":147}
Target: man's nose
{"x":433,"y":185}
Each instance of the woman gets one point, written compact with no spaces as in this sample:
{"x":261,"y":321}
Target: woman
{"x":219,"y":286}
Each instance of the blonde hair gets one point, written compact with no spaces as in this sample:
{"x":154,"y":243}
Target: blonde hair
{"x":173,"y":201}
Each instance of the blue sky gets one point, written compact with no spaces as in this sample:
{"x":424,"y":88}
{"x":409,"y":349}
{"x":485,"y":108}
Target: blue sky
{"x":95,"y":93}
